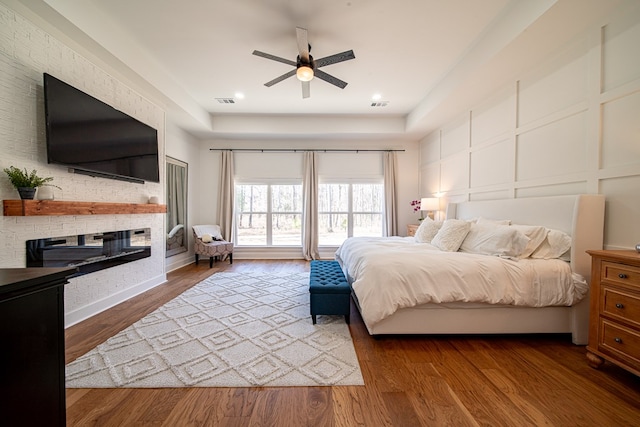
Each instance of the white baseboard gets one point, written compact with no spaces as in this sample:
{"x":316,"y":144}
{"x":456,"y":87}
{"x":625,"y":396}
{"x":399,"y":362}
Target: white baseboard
{"x":178,"y":261}
{"x":278,"y":253}
{"x":83,"y":313}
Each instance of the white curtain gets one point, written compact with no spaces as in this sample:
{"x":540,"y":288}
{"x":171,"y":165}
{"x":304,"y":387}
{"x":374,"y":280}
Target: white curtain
{"x":310,"y":207}
{"x":176,"y":179}
{"x":390,"y":195}
{"x":226,"y":200}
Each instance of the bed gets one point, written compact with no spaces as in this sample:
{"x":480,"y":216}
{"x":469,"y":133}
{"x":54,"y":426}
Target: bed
{"x":579,"y":218}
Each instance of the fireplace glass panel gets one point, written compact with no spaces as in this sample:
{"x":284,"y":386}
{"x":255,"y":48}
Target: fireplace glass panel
{"x":90,"y":252}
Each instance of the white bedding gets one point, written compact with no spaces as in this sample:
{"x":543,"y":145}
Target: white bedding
{"x":390,"y":273}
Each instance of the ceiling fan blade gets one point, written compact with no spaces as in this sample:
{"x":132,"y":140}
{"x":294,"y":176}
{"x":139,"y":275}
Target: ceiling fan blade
{"x":303,"y":44}
{"x":273,"y":57}
{"x":330,"y":79}
{"x":281,"y":78}
{"x":334,"y":59}
{"x":306,"y":89}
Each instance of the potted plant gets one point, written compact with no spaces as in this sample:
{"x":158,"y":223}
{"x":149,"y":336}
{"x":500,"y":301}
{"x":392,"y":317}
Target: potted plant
{"x":25,"y":182}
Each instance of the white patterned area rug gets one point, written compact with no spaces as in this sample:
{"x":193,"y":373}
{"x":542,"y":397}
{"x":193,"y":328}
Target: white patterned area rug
{"x":230,"y":330}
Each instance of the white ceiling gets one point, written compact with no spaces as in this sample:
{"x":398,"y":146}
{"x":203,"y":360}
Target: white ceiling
{"x":429,"y":59}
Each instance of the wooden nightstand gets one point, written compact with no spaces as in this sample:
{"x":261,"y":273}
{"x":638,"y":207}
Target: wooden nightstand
{"x":614,"y":316}
{"x":411,"y":229}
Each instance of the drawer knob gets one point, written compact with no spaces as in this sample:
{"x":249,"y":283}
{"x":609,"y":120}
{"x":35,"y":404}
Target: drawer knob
{"x":622,"y":276}
{"x":619,"y":305}
{"x":618,"y":340}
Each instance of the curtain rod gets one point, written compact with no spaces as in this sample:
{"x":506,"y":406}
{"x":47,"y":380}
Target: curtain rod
{"x":295,"y":150}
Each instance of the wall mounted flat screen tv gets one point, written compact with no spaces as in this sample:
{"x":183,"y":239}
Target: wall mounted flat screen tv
{"x":93,"y":138}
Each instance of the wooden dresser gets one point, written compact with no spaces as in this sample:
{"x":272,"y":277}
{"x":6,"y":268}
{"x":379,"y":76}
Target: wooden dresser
{"x":614,"y":317}
{"x":411,"y":229}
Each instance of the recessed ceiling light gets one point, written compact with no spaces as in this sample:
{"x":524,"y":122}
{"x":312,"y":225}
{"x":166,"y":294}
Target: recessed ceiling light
{"x":376,"y":96}
{"x":239,"y":95}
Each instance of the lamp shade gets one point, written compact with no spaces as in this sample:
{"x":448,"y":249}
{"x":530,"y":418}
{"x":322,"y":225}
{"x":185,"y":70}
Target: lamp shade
{"x":430,"y":204}
{"x":304,"y":73}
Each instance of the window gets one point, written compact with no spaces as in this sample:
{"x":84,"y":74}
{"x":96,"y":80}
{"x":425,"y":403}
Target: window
{"x":269,"y":214}
{"x":347,"y":210}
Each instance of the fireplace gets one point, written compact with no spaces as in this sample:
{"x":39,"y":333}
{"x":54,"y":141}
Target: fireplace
{"x":90,"y":252}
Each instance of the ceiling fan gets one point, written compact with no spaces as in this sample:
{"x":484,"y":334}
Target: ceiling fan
{"x":307,"y":67}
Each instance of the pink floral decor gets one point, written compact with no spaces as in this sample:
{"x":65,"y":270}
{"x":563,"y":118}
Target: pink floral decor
{"x":415,"y":204}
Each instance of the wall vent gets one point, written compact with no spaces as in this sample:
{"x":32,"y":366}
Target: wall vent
{"x":379,"y":103}
{"x":226,"y":100}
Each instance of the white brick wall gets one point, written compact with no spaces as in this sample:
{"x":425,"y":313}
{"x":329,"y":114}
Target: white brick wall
{"x":26,"y":52}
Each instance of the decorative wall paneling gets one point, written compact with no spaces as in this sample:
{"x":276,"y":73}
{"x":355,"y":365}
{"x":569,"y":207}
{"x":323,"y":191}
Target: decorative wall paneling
{"x":569,"y":126}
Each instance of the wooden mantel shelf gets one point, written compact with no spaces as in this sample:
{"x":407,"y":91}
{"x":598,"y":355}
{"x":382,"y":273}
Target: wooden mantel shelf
{"x":61,"y":207}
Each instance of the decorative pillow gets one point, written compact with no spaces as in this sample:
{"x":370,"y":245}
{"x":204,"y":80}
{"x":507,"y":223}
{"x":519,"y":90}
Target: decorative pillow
{"x":451,"y":234}
{"x":555,"y":245}
{"x":484,"y":221}
{"x":536,"y":235}
{"x":213,"y":230}
{"x":427,"y":230}
{"x":207,"y":238}
{"x":496,"y":240}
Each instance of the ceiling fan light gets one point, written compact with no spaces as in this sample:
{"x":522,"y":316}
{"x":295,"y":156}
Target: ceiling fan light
{"x":304,"y":73}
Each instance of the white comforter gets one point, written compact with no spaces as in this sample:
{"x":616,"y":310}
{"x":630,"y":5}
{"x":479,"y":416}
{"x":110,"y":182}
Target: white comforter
{"x":389,"y":273}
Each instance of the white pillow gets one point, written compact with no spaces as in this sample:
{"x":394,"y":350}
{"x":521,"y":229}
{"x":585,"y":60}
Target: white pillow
{"x":497,"y":240}
{"x":554,"y":246}
{"x":427,"y":230}
{"x":451,"y":234}
{"x":207,"y":238}
{"x":536,"y":235}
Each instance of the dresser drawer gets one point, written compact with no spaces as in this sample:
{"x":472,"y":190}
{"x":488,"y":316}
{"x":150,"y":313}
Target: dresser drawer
{"x":621,"y":341}
{"x":619,"y":304}
{"x":614,"y":311}
{"x":619,"y":273}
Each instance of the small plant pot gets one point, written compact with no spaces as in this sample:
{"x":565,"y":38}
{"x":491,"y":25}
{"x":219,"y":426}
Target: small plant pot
{"x":26,"y":193}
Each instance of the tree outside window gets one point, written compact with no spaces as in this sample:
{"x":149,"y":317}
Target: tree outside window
{"x":269,"y":214}
{"x":347,"y":210}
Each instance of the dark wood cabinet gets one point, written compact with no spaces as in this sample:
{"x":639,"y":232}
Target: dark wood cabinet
{"x":32,"y":390}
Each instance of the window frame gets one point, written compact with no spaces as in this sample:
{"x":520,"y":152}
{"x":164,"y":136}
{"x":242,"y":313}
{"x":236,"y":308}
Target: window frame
{"x":350,"y":214}
{"x":269,"y":183}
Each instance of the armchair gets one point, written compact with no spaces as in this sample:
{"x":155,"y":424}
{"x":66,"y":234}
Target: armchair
{"x":209,"y":242}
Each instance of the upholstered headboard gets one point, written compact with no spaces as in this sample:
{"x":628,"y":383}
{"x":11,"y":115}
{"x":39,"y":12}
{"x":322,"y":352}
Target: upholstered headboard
{"x":581,"y":216}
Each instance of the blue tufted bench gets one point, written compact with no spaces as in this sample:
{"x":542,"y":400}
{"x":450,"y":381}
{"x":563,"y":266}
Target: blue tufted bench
{"x":329,"y":290}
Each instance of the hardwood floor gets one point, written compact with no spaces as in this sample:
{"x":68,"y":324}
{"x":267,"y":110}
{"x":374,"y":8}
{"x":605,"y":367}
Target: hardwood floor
{"x":410,"y":381}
